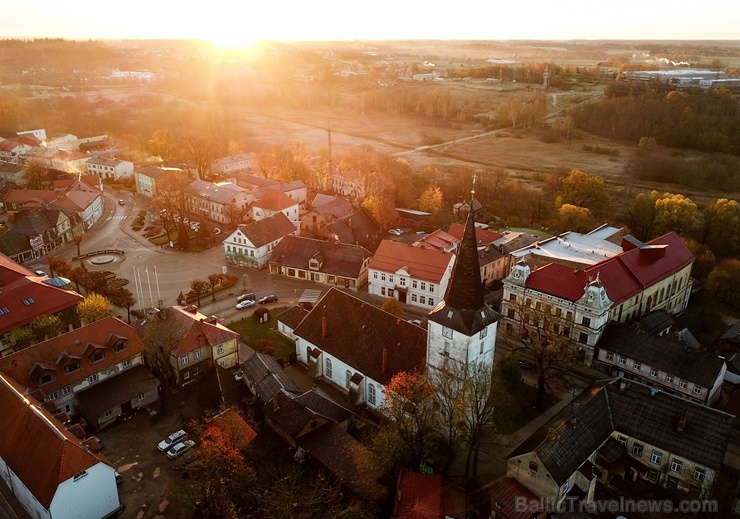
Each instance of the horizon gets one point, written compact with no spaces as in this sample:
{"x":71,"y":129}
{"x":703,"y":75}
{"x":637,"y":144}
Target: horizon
{"x":330,"y":21}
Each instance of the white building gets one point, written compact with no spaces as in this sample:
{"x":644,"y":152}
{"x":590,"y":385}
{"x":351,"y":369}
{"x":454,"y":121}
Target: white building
{"x":251,"y":245}
{"x":275,"y":201}
{"x":110,"y":168}
{"x":232,"y":163}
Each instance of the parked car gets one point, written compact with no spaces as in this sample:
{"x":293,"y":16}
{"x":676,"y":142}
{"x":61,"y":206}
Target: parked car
{"x":246,"y":296}
{"x":247,"y":303}
{"x":216,"y":231}
{"x":180,"y":449}
{"x":186,"y":221}
{"x":417,"y":322}
{"x":272,"y":298}
{"x":239,"y":376}
{"x":526,"y":365}
{"x":172,"y":439}
{"x":121,"y":202}
{"x":396,"y":232}
{"x":40,"y":273}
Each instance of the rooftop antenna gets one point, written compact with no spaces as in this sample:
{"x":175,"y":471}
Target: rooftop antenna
{"x":472,"y":191}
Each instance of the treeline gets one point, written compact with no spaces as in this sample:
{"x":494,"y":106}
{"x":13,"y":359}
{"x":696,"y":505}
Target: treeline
{"x":698,"y":119}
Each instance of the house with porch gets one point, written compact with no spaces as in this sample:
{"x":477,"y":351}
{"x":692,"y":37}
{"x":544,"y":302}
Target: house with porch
{"x":334,"y":264}
{"x":199,"y":341}
{"x":578,"y":303}
{"x":252,"y":244}
{"x":46,"y":467}
{"x":413,"y":275}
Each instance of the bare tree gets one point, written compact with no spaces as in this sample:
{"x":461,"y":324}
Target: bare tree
{"x":159,"y":333}
{"x":199,"y":287}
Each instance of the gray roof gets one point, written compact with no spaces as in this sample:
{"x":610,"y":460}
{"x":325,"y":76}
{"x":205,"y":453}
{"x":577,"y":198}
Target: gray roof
{"x":661,"y":353}
{"x":321,"y":404}
{"x":337,"y":258}
{"x":12,"y":244}
{"x":266,"y":376}
{"x":733,"y":332}
{"x":656,"y":322}
{"x":637,"y":411}
{"x":358,"y":228}
{"x":293,"y":316}
{"x":268,"y":230}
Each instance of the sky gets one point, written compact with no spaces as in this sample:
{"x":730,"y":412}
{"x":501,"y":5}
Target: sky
{"x":238,"y":23}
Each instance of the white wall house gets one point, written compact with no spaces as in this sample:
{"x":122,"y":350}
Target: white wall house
{"x":222,"y":202}
{"x":232,"y":163}
{"x":251,"y":245}
{"x":275,"y":201}
{"x":110,"y":168}
{"x":413,"y":275}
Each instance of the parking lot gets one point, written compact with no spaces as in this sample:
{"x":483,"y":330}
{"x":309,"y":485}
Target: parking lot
{"x":151,"y":487}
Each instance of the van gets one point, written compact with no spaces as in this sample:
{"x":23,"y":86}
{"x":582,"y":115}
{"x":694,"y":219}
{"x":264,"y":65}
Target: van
{"x":244,"y":297}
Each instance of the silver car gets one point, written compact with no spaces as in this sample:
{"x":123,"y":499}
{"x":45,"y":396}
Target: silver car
{"x":180,"y":449}
{"x":172,"y":439}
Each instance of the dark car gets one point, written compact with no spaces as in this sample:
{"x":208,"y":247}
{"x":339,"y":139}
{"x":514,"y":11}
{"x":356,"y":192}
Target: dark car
{"x":272,"y":298}
{"x":526,"y":365}
{"x":244,"y":297}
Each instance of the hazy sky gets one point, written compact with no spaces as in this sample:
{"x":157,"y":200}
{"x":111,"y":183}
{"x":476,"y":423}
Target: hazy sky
{"x":239,"y":22}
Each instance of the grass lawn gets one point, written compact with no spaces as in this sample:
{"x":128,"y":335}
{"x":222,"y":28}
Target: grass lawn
{"x":518,"y":411}
{"x":251,"y":331}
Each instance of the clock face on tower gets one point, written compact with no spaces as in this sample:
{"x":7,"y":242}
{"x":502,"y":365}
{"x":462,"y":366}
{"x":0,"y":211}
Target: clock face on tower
{"x":447,"y":332}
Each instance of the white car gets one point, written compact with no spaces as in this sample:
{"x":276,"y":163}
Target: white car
{"x":180,"y":448}
{"x":216,"y":231}
{"x":247,"y":303}
{"x":172,"y":439}
{"x":396,"y":232}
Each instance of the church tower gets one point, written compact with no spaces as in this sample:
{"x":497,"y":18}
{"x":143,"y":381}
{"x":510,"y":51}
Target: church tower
{"x":461,"y":327}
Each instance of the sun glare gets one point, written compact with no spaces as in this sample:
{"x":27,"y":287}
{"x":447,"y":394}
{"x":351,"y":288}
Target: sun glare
{"x":231,"y":41}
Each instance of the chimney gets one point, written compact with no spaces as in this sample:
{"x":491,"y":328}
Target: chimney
{"x":385,"y":360}
{"x":323,"y":327}
{"x":622,"y":384}
{"x":551,"y":433}
{"x":682,"y":421}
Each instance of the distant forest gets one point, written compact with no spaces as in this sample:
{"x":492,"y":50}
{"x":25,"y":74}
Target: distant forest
{"x":696,"y":119}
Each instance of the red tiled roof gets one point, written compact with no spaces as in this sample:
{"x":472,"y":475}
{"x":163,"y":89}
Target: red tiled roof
{"x":422,"y":264}
{"x":275,"y":200}
{"x":504,"y":495}
{"x":623,"y":276}
{"x":426,"y":496}
{"x":24,"y":195}
{"x":27,"y":298}
{"x":11,"y":271}
{"x":235,"y":429}
{"x":26,"y":365}
{"x":482,"y":236}
{"x":37,"y":448}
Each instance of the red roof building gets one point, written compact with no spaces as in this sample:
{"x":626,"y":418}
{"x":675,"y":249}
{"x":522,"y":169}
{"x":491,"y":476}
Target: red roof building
{"x":426,"y":496}
{"x":579,"y":303}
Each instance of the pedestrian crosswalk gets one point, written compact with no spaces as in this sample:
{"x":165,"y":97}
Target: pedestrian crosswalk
{"x":117,"y":217}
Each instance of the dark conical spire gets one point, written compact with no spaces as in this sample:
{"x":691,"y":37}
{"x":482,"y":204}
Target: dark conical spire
{"x":465,"y":290}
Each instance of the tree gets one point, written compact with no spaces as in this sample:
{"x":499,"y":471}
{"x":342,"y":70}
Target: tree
{"x":724,"y":282}
{"x":392,"y":306}
{"x":642,"y":215}
{"x":213,"y":281}
{"x":46,"y":327}
{"x":36,"y":175}
{"x":381,"y":209}
{"x":583,"y":190}
{"x":719,"y":227}
{"x":21,"y":337}
{"x":77,"y":239}
{"x":200,"y":149}
{"x":94,"y":308}
{"x":431,"y":200}
{"x":574,"y":218}
{"x":199,"y":288}
{"x":124,"y":298}
{"x":162,"y":144}
{"x":409,"y":401}
{"x":674,"y":213}
{"x":160,"y":335}
{"x":539,"y":334}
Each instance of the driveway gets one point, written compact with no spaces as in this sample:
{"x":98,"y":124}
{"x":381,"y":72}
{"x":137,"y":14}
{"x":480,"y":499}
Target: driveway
{"x":151,"y":487}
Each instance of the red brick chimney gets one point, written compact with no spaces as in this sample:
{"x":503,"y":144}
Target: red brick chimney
{"x":323,"y":327}
{"x":385,"y":360}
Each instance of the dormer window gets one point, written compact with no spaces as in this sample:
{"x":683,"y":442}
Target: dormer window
{"x":97,"y":355}
{"x":72,"y":367}
{"x":119,"y":345}
{"x":46,"y":378}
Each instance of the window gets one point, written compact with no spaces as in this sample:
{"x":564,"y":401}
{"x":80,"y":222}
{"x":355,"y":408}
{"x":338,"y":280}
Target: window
{"x":92,"y":378}
{"x":621,"y":360}
{"x":390,"y":279}
{"x":52,"y":396}
{"x":142,"y":396}
{"x":382,"y":277}
{"x":657,"y":457}
{"x":371,"y":395}
{"x":431,"y":287}
{"x":184,"y":360}
{"x":651,"y":475}
{"x":569,"y":315}
{"x":347,"y":378}
{"x":220,"y":350}
{"x":483,"y":333}
{"x":446,"y":351}
{"x":622,"y":440}
{"x":653,"y":372}
{"x":196,"y":354}
{"x":510,"y":313}
{"x":80,"y":475}
{"x":512,"y":297}
{"x":699,"y":474}
{"x":97,"y":355}
{"x":682,"y":384}
{"x":402,"y":281}
{"x":538,"y":305}
{"x":697,"y":390}
{"x":637,"y":449}
{"x":422,"y":300}
{"x":668,"y":379}
{"x":447,"y":332}
{"x":636,"y":366}
{"x":126,"y":363}
{"x":609,"y":356}
{"x":533,"y":466}
{"x":565,"y":487}
{"x":586,"y":321}
{"x":676,"y":465}
{"x":375,"y":275}
{"x":423,"y":286}
{"x":559,"y":312}
{"x":327,"y":367}
{"x":72,"y":367}
{"x":66,"y":390}
{"x":430,"y":301}
{"x":528,"y":302}
{"x":414,"y":283}
{"x":583,"y":338}
{"x":566,"y":331}
{"x":382,"y":291}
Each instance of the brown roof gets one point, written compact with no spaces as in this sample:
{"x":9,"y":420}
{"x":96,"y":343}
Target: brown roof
{"x":37,"y":448}
{"x":53,"y":355}
{"x":235,"y":429}
{"x":11,"y":271}
{"x":275,"y":200}
{"x":421,"y":264}
{"x":426,"y":496}
{"x":362,"y":335}
{"x":506,"y":493}
{"x":28,"y":298}
{"x":339,"y":259}
{"x":293,"y":316}
{"x":267,"y":230}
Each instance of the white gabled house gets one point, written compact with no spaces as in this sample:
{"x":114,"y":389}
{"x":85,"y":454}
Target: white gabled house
{"x":251,"y":245}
